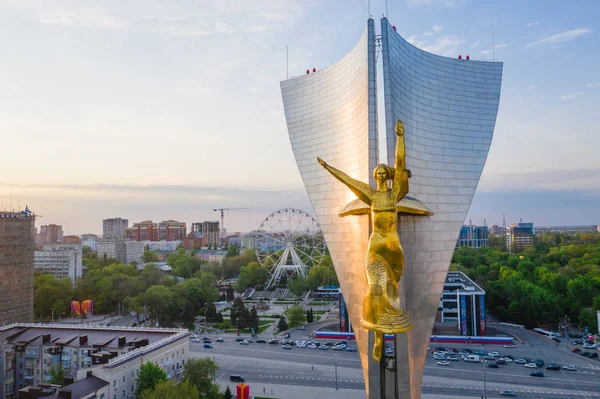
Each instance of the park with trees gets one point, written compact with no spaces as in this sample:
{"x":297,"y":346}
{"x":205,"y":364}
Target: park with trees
{"x":558,"y":276}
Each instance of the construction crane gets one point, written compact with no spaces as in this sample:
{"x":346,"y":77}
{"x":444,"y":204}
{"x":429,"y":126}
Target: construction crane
{"x":222,"y":210}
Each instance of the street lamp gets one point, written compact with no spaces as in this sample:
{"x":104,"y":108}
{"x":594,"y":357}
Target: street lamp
{"x":335,"y":355}
{"x":484,"y":380}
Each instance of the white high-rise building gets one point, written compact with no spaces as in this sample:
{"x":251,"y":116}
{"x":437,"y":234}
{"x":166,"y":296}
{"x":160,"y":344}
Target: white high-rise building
{"x":60,"y":261}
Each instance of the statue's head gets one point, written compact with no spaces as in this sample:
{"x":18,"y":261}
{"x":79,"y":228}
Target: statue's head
{"x":382,"y":173}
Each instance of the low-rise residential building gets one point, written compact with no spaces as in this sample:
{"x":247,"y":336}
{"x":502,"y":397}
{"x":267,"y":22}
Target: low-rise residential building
{"x":194,"y":241}
{"x":90,"y":240}
{"x":162,"y":245}
{"x":112,"y":354}
{"x":60,"y":261}
{"x":168,"y":230}
{"x":212,"y":256}
{"x":126,"y":251}
{"x":71,"y":240}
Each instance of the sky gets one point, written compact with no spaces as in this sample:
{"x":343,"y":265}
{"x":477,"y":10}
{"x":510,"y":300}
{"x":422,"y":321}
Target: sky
{"x":151,"y":109}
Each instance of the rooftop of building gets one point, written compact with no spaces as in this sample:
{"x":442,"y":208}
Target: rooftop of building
{"x":134,"y":340}
{"x":76,"y":390}
{"x":454,"y":278}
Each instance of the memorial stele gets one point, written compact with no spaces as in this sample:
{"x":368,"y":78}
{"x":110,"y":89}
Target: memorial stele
{"x":391,"y":245}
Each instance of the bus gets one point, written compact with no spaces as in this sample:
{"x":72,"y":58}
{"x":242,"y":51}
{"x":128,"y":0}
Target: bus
{"x":547,"y":333}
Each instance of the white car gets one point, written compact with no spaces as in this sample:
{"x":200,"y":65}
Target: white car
{"x":312,"y":346}
{"x":509,"y":346}
{"x":438,"y":353}
{"x":494,"y":354}
{"x":449,"y":352}
{"x":569,"y":367}
{"x":132,"y":313}
{"x":506,"y":359}
{"x":443,"y":363}
{"x":301,"y":328}
{"x":589,"y":346}
{"x":245,"y":342}
{"x":531,"y":366}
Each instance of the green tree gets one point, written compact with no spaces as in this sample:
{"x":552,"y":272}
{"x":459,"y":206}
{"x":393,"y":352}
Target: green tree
{"x":158,"y":300}
{"x":253,"y":320}
{"x":168,"y":390}
{"x":200,"y":373}
{"x":227,"y":394}
{"x":296,"y":316}
{"x":149,"y":256}
{"x":282,"y":324}
{"x":297,"y":285}
{"x":150,"y":375}
{"x":57,"y":374}
{"x":233,"y":250}
{"x":587,"y":318}
{"x":309,"y":316}
{"x":237,"y":309}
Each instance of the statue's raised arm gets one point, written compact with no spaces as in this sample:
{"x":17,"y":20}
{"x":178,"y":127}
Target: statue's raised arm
{"x":362,"y":190}
{"x":401,"y":174}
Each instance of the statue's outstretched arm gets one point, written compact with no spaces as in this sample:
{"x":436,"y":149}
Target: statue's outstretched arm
{"x":401,"y":174}
{"x":362,"y":190}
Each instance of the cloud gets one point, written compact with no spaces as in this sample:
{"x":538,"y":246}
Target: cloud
{"x":571,"y":96}
{"x":561,"y":37}
{"x":444,"y":45}
{"x":476,"y":44}
{"x":86,"y":18}
{"x":591,"y":85}
{"x":547,"y":179}
{"x":532,"y":24}
{"x":485,"y":52}
{"x":504,"y":45}
{"x":435,"y":29}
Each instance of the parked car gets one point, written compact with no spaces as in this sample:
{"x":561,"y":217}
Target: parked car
{"x":506,"y":392}
{"x":324,"y":347}
{"x":208,"y":346}
{"x":575,"y":342}
{"x":488,"y":357}
{"x":443,"y":363}
{"x":350,"y":349}
{"x":531,"y":366}
{"x":520,"y":361}
{"x":301,"y":328}
{"x":239,"y":339}
{"x":480,"y":352}
{"x":553,"y":366}
{"x":312,"y":346}
{"x":500,"y":361}
{"x":556,"y":339}
{"x":539,"y":362}
{"x":494,"y":354}
{"x":236,"y":378}
{"x":261,"y":341}
{"x":575,"y":350}
{"x":273,"y":341}
{"x":594,"y":355}
{"x":206,"y":340}
{"x":537,"y":374}
{"x":452,"y":358}
{"x":220,"y":339}
{"x":569,"y":367}
{"x":493,"y":366}
{"x":509,"y":346}
{"x":245,"y":342}
{"x":287,"y":346}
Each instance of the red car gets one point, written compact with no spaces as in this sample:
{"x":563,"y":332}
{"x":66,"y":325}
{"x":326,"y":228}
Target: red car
{"x":575,"y":350}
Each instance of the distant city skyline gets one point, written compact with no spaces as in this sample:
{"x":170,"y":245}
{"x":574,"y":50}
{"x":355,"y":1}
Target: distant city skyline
{"x":168,"y":110}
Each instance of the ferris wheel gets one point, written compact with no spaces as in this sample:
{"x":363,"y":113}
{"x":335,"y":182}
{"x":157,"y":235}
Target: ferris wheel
{"x":289,"y":242}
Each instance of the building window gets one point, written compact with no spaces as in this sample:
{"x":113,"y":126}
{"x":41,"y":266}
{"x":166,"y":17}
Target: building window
{"x":123,"y":377}
{"x":124,"y":393}
{"x":101,"y":396}
{"x":114,"y":383}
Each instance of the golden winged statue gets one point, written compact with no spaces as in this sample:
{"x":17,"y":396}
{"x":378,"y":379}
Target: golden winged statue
{"x":384,"y":263}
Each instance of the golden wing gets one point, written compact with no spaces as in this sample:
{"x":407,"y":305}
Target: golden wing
{"x":406,"y":206}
